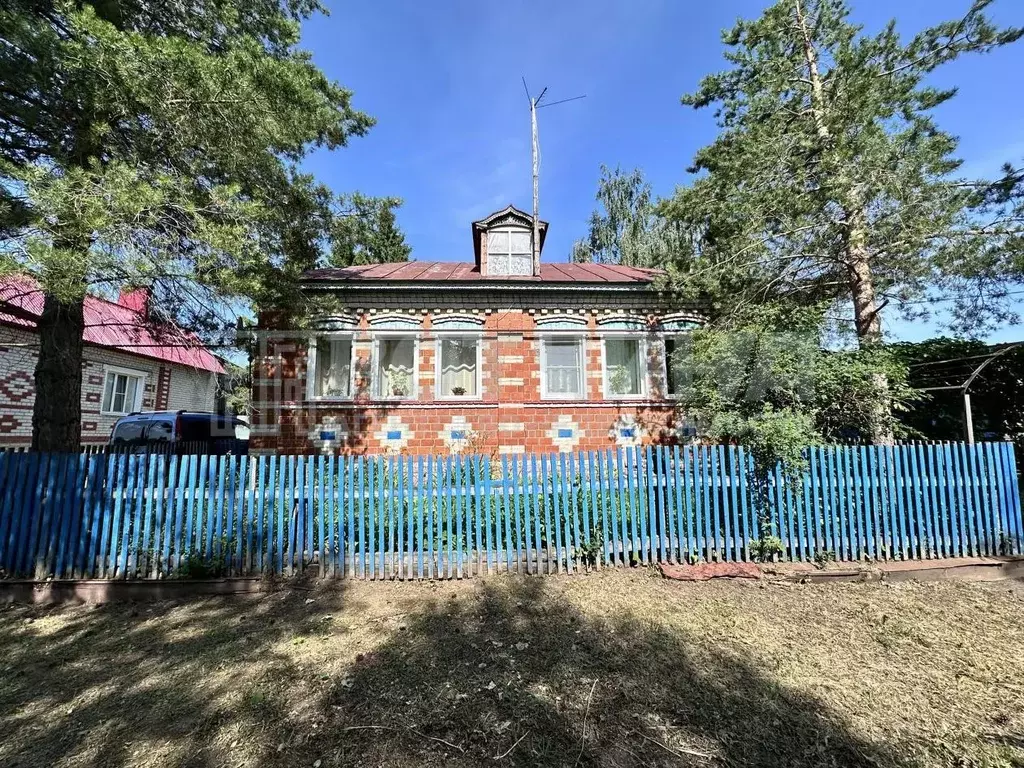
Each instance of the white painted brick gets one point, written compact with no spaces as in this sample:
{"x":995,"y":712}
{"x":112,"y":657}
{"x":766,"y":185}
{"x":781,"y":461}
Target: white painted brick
{"x":510,"y":382}
{"x":510,"y":359}
{"x":511,"y":426}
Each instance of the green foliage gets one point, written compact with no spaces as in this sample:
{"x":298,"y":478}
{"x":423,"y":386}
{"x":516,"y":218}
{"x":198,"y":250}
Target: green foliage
{"x":823,"y":557}
{"x":366,"y":233}
{"x":766,"y":548}
{"x":997,"y":394}
{"x":766,"y":382}
{"x":629,"y":231}
{"x":196,"y":565}
{"x":831,"y":183}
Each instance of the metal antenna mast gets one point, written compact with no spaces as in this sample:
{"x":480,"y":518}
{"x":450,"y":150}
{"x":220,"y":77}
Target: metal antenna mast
{"x":535,"y":104}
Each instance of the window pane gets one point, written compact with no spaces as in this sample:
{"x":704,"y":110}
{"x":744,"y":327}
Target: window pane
{"x":333,"y":368}
{"x":622,"y":358}
{"x":131,"y":387}
{"x":562,"y":363}
{"x":520,"y":264}
{"x":160,"y":431}
{"x":497,"y":243}
{"x":395,"y":367}
{"x":671,"y":385}
{"x":128,"y":431}
{"x":520,"y":242}
{"x":108,"y":392}
{"x":458,"y":367}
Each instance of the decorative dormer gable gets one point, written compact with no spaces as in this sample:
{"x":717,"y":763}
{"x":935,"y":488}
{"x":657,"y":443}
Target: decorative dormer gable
{"x":503,"y":243}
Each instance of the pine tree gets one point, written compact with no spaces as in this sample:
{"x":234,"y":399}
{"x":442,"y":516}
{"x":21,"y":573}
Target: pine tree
{"x":831,"y":182}
{"x":153,"y":143}
{"x":366,"y":232}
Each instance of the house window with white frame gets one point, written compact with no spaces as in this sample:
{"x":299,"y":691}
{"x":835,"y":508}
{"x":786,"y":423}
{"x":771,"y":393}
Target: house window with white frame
{"x":122,"y":391}
{"x":624,"y":367}
{"x":458,"y":373}
{"x":562,"y":368}
{"x":509,"y":252}
{"x":396,"y":367}
{"x":332,"y":367}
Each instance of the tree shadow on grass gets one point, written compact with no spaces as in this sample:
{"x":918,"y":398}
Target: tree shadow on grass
{"x":513,"y":674}
{"x":145,"y":684}
{"x":519,"y":676}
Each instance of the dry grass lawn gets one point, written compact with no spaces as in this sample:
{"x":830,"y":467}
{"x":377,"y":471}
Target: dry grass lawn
{"x":612,"y":669}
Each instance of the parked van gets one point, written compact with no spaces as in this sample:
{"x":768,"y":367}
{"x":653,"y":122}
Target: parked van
{"x":181,"y":432}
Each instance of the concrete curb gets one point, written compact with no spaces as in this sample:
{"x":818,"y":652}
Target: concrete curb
{"x":93,"y":591}
{"x":967,"y":569}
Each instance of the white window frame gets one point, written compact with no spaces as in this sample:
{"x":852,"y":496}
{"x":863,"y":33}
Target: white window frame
{"x":380,"y":336}
{"x":311,"y":367}
{"x":580,"y":339}
{"x":507,"y":230}
{"x":477,"y":337}
{"x":117,"y":370}
{"x":644,"y":373}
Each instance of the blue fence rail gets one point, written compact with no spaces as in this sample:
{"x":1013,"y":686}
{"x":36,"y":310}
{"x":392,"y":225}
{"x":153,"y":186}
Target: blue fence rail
{"x":158,"y":516}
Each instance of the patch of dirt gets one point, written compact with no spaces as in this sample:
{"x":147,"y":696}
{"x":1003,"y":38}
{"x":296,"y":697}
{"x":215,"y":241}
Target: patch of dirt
{"x":616,"y":668}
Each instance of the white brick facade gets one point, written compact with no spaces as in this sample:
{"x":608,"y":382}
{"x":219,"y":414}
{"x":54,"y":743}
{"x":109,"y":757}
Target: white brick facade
{"x":189,"y":388}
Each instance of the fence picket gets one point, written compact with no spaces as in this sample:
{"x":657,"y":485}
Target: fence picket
{"x":140,"y":516}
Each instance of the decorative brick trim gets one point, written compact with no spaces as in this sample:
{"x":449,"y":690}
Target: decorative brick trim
{"x":163,"y":387}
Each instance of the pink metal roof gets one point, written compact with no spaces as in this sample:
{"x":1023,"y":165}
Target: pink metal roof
{"x":109,"y":324}
{"x":454,"y":271}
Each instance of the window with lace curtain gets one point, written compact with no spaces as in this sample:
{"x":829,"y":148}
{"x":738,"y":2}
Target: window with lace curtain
{"x":458,"y":367}
{"x":509,"y":252}
{"x":332,"y":367}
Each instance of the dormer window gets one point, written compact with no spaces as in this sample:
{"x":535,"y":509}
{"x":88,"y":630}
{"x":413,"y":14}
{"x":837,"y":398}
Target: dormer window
{"x":504,"y":243}
{"x":509,"y":252}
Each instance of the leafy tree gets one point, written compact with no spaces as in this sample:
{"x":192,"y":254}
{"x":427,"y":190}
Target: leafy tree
{"x":154,"y":143}
{"x":629,"y":231}
{"x":767,"y":382}
{"x":365,"y":232}
{"x":830,"y":182}
{"x":997,"y":393}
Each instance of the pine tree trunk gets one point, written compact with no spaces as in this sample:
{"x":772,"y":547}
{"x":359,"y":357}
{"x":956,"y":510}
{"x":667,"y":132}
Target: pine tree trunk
{"x":868,"y":322}
{"x":57,"y":412}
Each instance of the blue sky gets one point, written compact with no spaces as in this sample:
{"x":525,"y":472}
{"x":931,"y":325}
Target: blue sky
{"x":443,"y":79}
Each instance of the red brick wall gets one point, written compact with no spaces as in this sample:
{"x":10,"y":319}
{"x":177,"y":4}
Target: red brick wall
{"x":509,"y":417}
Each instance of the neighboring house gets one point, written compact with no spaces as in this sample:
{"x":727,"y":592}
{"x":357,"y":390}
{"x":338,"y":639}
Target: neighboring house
{"x":495,"y":356}
{"x":130,"y":363}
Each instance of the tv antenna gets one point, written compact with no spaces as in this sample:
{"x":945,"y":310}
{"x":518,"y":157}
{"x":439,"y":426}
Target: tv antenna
{"x":535,"y":104}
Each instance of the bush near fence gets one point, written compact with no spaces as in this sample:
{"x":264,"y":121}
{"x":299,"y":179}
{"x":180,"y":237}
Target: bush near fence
{"x":117,"y":516}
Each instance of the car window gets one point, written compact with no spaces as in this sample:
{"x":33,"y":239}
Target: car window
{"x":128,"y":432}
{"x":194,"y":428}
{"x":160,"y":431}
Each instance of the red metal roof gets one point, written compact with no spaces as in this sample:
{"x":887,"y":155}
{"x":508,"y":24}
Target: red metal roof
{"x":455,"y":271}
{"x":109,"y":324}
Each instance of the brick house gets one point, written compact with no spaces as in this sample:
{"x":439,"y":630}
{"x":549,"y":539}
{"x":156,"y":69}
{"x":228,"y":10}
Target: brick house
{"x":129,"y":363}
{"x":501,"y":355}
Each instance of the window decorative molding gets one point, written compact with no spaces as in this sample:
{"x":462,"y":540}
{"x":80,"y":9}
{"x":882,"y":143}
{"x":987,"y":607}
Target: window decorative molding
{"x":395,"y":323}
{"x":122,"y":390}
{"x":679,"y":322}
{"x":622,"y":323}
{"x":457,"y":322}
{"x":341,"y":322}
{"x":561,"y":323}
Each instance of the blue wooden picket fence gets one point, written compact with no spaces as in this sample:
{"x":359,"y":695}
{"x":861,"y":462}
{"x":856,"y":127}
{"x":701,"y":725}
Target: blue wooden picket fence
{"x":158,"y":516}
